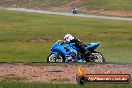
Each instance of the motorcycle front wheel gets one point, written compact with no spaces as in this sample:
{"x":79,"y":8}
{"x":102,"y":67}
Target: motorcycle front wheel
{"x":53,"y":58}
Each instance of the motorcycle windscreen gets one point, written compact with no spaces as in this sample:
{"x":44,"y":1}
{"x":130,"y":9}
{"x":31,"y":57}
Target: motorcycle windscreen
{"x":55,"y":45}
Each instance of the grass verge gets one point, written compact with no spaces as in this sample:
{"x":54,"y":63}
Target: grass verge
{"x":27,"y":37}
{"x":42,"y":85}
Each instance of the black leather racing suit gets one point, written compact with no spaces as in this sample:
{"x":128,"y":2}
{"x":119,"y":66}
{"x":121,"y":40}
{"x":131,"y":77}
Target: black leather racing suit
{"x":79,"y":44}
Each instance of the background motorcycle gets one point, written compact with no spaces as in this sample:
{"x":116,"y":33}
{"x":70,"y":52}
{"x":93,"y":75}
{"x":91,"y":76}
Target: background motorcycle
{"x":74,"y":11}
{"x":63,"y":52}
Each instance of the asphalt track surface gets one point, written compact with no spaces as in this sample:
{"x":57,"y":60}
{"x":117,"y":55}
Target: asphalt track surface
{"x":69,"y":14}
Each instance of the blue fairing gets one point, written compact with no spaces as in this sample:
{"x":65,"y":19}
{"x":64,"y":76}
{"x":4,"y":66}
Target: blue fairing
{"x":63,"y":49}
{"x":70,"y":50}
{"x":93,"y":46}
{"x":73,"y":46}
{"x":55,"y":45}
{"x":56,"y":53}
{"x":59,"y":48}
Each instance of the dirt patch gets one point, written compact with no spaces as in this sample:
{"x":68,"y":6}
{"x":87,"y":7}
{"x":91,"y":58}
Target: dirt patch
{"x":12,"y":77}
{"x":67,"y":7}
{"x":46,"y":4}
{"x":60,"y":80}
{"x":106,"y":12}
{"x":116,"y":12}
{"x":38,"y":40}
{"x":52,"y":74}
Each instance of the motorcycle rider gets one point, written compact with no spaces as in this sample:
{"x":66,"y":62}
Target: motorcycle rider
{"x":74,"y":10}
{"x":70,"y":39}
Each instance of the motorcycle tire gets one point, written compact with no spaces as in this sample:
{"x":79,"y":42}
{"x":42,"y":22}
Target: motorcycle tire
{"x":95,"y":57}
{"x":99,"y":56}
{"x":52,"y":58}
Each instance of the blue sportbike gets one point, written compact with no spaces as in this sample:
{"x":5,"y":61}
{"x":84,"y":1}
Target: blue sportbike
{"x":68,"y":52}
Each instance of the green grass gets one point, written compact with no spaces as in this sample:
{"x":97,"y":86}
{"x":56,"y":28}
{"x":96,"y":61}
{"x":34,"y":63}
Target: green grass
{"x":17,"y":29}
{"x":42,"y":85}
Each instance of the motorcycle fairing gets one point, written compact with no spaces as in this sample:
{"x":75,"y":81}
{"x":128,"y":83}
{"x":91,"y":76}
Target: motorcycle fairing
{"x":65,"y":49}
{"x":60,"y":49}
{"x":93,"y":46}
{"x":69,"y":51}
{"x":57,"y":54}
{"x":74,"y":47}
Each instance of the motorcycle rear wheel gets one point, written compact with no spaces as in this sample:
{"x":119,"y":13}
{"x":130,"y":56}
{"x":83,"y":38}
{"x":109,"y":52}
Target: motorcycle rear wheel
{"x":98,"y":57}
{"x":52,"y":58}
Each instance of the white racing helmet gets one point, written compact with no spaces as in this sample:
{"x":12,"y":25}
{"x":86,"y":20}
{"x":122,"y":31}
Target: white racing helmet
{"x":68,"y":37}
